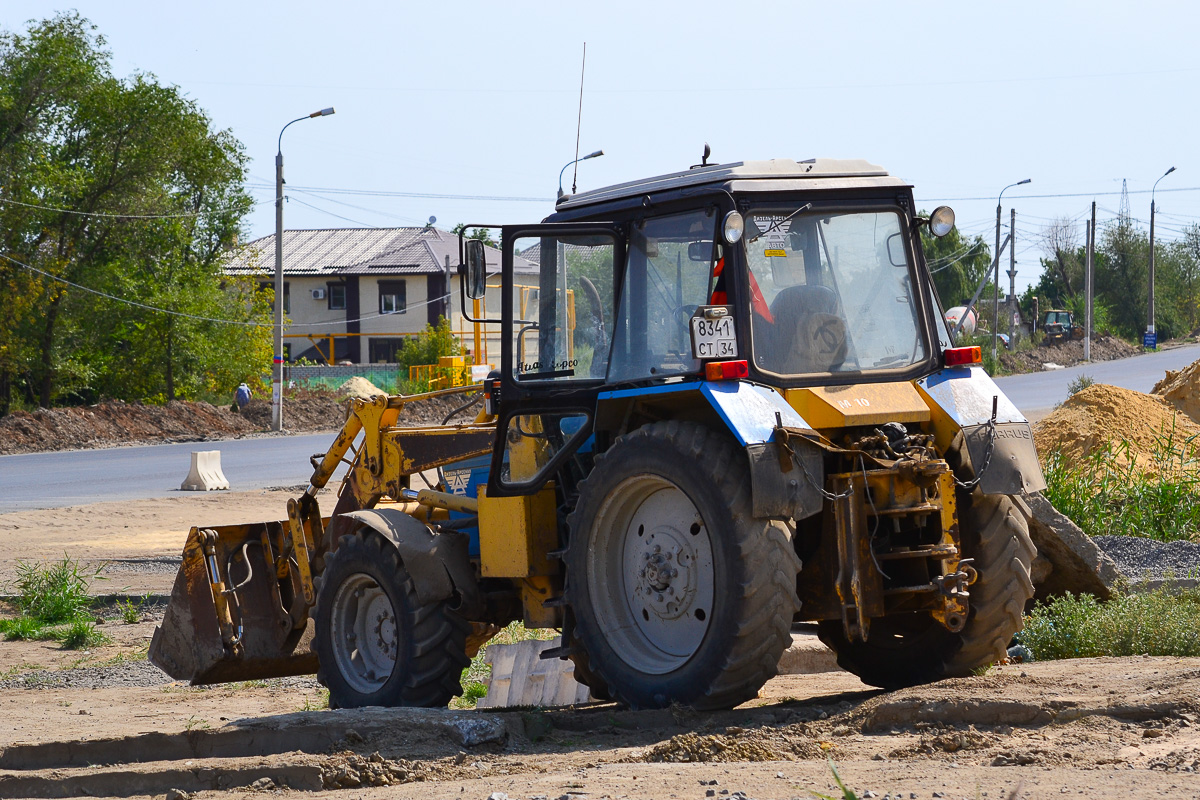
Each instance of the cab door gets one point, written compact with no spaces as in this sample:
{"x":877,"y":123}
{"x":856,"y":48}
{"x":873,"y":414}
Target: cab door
{"x":559,"y":292}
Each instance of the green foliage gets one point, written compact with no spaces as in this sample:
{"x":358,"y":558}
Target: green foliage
{"x":82,"y":633}
{"x":847,"y":794}
{"x":1108,"y":493}
{"x":164,"y":198}
{"x":428,"y":346}
{"x":131,"y":612}
{"x":53,"y":593}
{"x":1079,"y":383}
{"x":1156,"y":623}
{"x":482,"y":234}
{"x":958,"y":264}
{"x":21,"y":629}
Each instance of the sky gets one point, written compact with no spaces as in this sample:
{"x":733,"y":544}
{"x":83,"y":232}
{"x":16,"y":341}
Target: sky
{"x":467,"y":111}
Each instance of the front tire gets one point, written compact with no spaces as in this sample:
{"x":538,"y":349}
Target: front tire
{"x":907,"y":650}
{"x":377,"y":644}
{"x":679,"y":594}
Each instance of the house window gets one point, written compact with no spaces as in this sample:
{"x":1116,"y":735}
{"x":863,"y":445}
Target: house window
{"x":336,"y":296}
{"x":287,"y":297}
{"x":383,"y":350}
{"x":391,"y":298}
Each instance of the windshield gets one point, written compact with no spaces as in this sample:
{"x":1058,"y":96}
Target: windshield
{"x":831,"y":292}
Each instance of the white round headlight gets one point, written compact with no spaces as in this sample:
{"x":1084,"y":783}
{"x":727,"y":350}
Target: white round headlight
{"x":734,"y":227}
{"x":941,"y":221}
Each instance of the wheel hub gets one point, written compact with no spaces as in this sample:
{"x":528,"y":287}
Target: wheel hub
{"x":666,"y":582}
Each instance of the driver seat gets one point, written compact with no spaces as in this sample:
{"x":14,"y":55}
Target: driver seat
{"x":810,"y":336}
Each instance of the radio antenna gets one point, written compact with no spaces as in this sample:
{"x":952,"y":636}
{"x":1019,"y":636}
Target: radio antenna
{"x":579,"y":120}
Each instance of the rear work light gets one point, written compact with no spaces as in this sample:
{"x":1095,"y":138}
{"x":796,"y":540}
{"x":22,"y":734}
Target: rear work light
{"x":963,"y":356}
{"x":728,"y":370}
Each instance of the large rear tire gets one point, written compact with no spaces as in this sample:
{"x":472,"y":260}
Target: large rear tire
{"x":911,"y":649}
{"x":679,"y":594}
{"x":378,"y":645}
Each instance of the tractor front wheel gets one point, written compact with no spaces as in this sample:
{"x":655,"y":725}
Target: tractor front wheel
{"x":679,"y":594}
{"x":911,"y":649}
{"x":377,"y":644}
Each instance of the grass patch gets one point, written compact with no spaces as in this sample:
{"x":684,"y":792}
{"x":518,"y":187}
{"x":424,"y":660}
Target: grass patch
{"x":55,"y":605}
{"x":476,"y":676}
{"x":1155,"y":623}
{"x":1107,"y":493}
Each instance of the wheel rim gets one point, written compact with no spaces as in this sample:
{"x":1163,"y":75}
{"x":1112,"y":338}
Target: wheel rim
{"x":364,"y":634}
{"x":651,"y":574}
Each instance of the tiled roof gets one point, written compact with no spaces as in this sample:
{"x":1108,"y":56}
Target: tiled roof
{"x":356,"y":251}
{"x":349,"y":251}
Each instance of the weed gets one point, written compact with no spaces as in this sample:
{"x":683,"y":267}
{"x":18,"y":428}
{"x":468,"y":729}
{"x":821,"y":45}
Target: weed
{"x":1154,"y":623}
{"x":21,"y":629}
{"x":82,"y":633}
{"x":54,"y":593}
{"x":474,"y":692}
{"x":322,"y":701}
{"x":195,"y":722}
{"x":1079,"y":383}
{"x":1109,"y":493}
{"x":131,"y":612}
{"x":846,"y":793}
{"x":252,"y":684}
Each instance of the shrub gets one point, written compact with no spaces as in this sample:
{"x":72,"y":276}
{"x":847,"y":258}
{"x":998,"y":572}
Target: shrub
{"x":53,"y":593}
{"x":1155,"y":623}
{"x":1079,"y":384}
{"x":428,"y":346}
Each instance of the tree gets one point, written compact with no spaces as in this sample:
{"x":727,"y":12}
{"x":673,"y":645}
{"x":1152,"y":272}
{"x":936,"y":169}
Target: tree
{"x":482,"y":234}
{"x":957,"y":263}
{"x":1060,"y":243}
{"x":121,"y":186}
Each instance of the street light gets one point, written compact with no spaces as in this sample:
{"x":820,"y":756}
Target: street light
{"x":996,"y":276}
{"x":596,"y":154}
{"x":1150,"y":331}
{"x":277,"y":373}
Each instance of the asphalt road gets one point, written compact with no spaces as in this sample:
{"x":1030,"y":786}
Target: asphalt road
{"x":55,"y":480}
{"x":1037,"y":393}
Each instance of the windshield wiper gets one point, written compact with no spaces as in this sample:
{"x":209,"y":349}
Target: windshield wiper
{"x":780,"y":222}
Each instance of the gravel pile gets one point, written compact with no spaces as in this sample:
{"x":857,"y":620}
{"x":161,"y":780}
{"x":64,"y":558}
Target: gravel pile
{"x":127,"y":674}
{"x":1138,"y":557}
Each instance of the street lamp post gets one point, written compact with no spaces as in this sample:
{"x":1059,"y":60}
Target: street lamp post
{"x":996,"y":267}
{"x":1150,"y":330}
{"x":596,"y":154}
{"x":277,"y":372}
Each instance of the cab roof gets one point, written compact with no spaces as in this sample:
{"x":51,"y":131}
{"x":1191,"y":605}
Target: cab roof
{"x":774,"y":175}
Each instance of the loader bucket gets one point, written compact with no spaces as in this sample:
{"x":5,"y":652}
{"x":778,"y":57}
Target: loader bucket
{"x":233,"y":616}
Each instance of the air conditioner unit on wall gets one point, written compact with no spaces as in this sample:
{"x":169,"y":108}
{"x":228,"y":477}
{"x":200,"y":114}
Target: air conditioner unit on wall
{"x":318,"y":294}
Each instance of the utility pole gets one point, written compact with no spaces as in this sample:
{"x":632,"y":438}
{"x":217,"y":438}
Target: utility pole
{"x":277,"y":372}
{"x":1012,"y":274}
{"x":1151,"y":339}
{"x":1087,"y":290}
{"x":996,"y":268}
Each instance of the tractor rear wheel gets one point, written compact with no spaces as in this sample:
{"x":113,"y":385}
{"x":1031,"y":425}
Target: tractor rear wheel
{"x":377,"y":644}
{"x":910,"y":649}
{"x":679,"y":594}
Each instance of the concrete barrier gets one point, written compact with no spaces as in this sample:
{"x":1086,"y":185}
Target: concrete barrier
{"x":205,"y":474}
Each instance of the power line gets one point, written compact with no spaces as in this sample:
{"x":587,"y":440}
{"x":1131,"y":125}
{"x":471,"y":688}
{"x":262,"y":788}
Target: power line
{"x":1051,"y":196}
{"x":123,"y":216}
{"x":418,"y":195}
{"x":98,"y":293}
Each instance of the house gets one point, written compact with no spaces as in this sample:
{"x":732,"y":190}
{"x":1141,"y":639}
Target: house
{"x":363,"y":291}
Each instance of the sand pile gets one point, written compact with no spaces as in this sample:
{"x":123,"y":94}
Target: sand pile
{"x":1103,"y":414}
{"x":359,"y":387}
{"x":1182,"y":389}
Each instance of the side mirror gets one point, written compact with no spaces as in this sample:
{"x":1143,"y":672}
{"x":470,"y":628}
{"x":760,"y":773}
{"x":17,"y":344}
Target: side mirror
{"x":476,"y":277}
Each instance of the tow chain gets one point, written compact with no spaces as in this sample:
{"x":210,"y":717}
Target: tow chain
{"x":987,"y":451}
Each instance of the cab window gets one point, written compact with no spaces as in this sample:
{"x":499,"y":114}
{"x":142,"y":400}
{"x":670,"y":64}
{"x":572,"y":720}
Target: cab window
{"x":668,"y":273}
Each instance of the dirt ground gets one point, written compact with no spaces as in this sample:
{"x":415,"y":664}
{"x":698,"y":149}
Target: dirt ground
{"x":1066,"y":354}
{"x":114,"y":422}
{"x":105,"y":722}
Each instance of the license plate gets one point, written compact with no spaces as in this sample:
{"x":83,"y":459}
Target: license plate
{"x":713,"y":336}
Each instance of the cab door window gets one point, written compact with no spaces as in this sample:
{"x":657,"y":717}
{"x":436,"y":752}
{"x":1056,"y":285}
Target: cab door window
{"x":562,"y":308}
{"x":668,"y":273}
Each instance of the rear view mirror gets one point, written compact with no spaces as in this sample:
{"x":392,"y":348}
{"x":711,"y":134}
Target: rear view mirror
{"x":476,"y":276}
{"x":895,"y":250}
{"x":700,"y":251}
